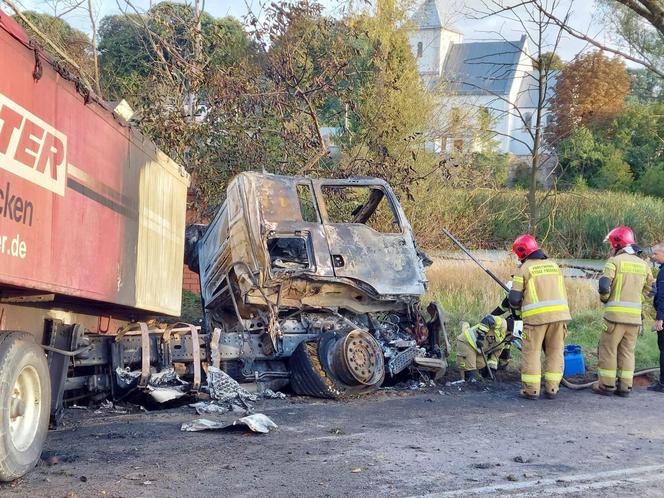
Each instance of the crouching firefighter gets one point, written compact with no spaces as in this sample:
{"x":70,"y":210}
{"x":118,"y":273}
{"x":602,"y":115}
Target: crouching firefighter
{"x":625,"y":279}
{"x":487,"y":340}
{"x":538,"y":290}
{"x":514,"y":326}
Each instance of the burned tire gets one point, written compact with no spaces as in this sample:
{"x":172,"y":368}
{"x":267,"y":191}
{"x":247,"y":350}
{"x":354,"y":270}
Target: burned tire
{"x":25,"y":402}
{"x":324,"y":368}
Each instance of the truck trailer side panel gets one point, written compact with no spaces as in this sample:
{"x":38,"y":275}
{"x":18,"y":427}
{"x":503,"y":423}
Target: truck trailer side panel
{"x":89,"y":208}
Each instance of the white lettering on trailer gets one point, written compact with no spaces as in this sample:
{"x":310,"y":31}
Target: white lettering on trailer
{"x":31,"y":148}
{"x":14,"y":247}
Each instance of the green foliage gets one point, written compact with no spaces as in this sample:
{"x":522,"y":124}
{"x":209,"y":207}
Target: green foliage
{"x":647,"y":87}
{"x":491,"y":168}
{"x":652,"y":181}
{"x":71,"y":41}
{"x":551,"y":61}
{"x":614,"y":173}
{"x":130,"y":45}
{"x":640,"y":35}
{"x":191,"y":307}
{"x":573,"y":224}
{"x":390,"y":109}
{"x":624,"y":154}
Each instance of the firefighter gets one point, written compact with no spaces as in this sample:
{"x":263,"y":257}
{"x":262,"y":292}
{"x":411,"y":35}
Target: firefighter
{"x":538,"y":291}
{"x":490,"y":336}
{"x":625,"y":279}
{"x":513,"y":317}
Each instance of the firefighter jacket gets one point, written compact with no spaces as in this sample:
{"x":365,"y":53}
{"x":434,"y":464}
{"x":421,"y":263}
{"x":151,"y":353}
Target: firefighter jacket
{"x":540,"y":287}
{"x":624,"y":283}
{"x":494,"y":339}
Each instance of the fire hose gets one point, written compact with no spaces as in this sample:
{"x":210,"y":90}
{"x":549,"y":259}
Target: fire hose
{"x":586,"y":385}
{"x":564,"y":382}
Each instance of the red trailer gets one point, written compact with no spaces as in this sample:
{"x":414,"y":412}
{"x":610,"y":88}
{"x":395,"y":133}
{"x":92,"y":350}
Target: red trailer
{"x":92,"y":219}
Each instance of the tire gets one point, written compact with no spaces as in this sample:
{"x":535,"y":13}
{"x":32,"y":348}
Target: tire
{"x":311,"y":372}
{"x":24,"y":376}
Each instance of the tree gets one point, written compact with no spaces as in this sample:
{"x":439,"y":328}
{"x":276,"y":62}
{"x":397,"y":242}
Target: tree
{"x":71,"y":41}
{"x":389,"y":109}
{"x":614,"y":173}
{"x":543,"y":36}
{"x":552,"y":61}
{"x":135,"y":45}
{"x":646,"y":86}
{"x":635,"y":30}
{"x":637,"y":20}
{"x":590,"y":90}
{"x":638,"y":131}
{"x":652,"y":182}
{"x":625,"y":153}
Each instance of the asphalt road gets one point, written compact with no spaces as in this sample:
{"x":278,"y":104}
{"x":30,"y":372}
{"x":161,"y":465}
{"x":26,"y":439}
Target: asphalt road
{"x":473,"y":442}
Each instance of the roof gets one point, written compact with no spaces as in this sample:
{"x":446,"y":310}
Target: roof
{"x":431,"y":15}
{"x":482,"y":68}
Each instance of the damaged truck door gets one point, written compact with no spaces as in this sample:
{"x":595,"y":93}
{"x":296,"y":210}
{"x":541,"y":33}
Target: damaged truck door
{"x":316,"y":283}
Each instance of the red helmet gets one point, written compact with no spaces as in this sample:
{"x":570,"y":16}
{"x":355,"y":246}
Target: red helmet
{"x":620,"y":237}
{"x":524,"y":246}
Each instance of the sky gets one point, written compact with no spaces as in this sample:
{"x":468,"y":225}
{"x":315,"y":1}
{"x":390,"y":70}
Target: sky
{"x":463,"y":14}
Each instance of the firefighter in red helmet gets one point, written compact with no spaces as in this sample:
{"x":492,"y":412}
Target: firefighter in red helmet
{"x":625,"y":280}
{"x":538,"y":290}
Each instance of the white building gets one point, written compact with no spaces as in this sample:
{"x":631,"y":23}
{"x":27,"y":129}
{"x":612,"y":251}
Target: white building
{"x":490,"y":79}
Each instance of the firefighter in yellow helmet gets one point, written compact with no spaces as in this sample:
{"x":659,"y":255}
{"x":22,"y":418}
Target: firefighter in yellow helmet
{"x":489,"y":336}
{"x":625,"y":280}
{"x":538,"y":290}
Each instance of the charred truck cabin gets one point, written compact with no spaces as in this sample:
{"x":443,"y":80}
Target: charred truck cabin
{"x":316,"y":282}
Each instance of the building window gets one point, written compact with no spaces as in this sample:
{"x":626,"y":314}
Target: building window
{"x":455,"y":118}
{"x":420,"y":49}
{"x":458,"y":144}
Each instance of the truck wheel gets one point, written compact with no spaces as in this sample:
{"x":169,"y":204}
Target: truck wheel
{"x":321,"y":368}
{"x":25,"y":403}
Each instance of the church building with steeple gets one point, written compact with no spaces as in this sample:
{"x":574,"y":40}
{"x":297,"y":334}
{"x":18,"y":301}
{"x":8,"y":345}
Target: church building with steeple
{"x":480,"y":81}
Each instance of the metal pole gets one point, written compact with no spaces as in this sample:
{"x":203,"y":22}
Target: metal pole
{"x":479,"y":263}
{"x":486,"y":363}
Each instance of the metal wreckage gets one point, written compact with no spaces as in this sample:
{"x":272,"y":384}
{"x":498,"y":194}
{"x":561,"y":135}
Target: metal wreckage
{"x":317,"y":283}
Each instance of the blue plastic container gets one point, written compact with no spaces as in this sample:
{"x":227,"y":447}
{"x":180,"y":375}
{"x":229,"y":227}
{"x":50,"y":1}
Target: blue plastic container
{"x":574,"y":363}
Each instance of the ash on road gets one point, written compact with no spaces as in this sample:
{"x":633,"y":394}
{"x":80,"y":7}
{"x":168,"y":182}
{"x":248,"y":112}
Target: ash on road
{"x":474,"y":442}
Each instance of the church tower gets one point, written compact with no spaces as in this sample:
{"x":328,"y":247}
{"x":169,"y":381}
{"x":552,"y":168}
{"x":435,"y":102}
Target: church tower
{"x":430,"y":38}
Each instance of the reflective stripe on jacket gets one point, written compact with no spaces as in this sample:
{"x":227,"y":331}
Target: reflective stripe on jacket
{"x":544,"y":295}
{"x":631,"y":279}
{"x":492,"y":335}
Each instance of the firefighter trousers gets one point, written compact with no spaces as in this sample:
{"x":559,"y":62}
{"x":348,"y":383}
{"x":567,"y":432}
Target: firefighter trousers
{"x":467,"y":357}
{"x":616,"y":356}
{"x":552,"y":336}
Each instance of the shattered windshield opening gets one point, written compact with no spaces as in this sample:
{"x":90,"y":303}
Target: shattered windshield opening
{"x":367,"y":205}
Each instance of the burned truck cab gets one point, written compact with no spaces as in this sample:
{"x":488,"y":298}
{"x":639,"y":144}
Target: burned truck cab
{"x":317,"y":283}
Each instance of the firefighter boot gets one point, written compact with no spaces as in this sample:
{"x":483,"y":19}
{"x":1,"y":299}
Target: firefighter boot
{"x":602,"y":389}
{"x":623,"y":390}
